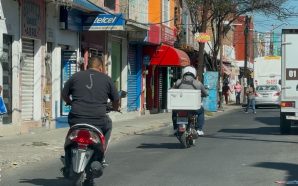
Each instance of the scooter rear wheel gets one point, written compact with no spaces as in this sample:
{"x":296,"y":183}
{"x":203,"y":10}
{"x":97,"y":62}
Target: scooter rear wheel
{"x":78,"y":179}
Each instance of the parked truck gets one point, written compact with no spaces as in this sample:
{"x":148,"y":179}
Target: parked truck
{"x":267,"y":70}
{"x":289,"y":79}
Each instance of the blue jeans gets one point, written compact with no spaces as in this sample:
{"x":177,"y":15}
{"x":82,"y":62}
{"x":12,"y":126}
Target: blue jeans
{"x":200,"y":119}
{"x":251,"y":103}
{"x":238,"y":97}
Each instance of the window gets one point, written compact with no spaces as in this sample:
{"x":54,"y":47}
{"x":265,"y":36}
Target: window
{"x":110,"y":4}
{"x":166,"y":12}
{"x":266,"y":87}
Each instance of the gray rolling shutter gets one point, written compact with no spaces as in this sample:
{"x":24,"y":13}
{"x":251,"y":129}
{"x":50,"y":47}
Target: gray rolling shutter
{"x":27,"y":79}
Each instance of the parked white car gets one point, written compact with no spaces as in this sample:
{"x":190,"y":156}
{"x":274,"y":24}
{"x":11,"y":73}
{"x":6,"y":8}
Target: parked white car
{"x":267,"y":95}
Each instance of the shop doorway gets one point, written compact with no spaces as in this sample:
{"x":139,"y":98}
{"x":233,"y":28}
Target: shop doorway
{"x":116,"y":64}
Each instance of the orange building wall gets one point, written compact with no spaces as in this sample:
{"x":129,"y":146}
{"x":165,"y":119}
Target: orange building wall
{"x":154,"y":10}
{"x":172,"y":11}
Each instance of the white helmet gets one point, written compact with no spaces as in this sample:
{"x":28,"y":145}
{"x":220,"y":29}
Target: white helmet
{"x":189,"y":70}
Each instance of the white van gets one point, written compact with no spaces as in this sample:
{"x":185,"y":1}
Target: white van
{"x":289,"y":80}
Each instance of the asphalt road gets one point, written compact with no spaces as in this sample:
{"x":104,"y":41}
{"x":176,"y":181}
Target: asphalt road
{"x":238,"y":150}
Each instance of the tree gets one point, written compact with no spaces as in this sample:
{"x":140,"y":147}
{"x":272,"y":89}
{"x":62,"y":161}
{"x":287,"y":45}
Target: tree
{"x":220,"y":14}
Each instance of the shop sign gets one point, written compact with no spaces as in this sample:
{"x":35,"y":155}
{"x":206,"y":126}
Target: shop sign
{"x":202,"y":37}
{"x":272,"y":57}
{"x":168,"y":35}
{"x":104,"y":22}
{"x":33,"y":19}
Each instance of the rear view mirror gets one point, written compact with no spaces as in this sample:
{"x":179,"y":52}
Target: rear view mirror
{"x":279,"y":82}
{"x":122,"y":94}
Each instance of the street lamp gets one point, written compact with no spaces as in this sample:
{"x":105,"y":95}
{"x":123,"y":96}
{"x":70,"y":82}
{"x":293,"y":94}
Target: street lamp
{"x":272,"y":36}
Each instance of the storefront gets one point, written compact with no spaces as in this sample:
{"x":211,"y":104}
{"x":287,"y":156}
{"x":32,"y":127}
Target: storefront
{"x":164,"y":58}
{"x":98,"y":40}
{"x":33,"y":38}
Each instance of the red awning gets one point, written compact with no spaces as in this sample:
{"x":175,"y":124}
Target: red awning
{"x":169,"y":56}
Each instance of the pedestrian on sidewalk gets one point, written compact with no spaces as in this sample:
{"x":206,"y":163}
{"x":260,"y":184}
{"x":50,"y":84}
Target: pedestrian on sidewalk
{"x":226,"y":92}
{"x":251,"y":99}
{"x":238,"y":89}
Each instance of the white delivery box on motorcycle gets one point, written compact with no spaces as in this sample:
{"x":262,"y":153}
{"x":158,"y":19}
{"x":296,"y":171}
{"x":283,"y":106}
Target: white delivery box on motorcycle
{"x":184,"y":99}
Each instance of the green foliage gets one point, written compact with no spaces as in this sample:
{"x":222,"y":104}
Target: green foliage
{"x":222,"y":13}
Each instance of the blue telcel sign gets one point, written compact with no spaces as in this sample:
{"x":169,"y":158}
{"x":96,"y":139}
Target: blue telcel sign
{"x":104,"y":22}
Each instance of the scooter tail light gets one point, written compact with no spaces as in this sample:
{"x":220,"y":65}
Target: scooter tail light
{"x":103,"y":141}
{"x":73,"y":134}
{"x":83,"y":137}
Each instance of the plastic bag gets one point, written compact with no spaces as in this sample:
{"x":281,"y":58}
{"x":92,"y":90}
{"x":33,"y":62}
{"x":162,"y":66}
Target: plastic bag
{"x":3,"y":109}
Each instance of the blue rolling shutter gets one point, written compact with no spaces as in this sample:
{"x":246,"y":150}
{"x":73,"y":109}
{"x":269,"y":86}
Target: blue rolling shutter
{"x":134,"y":78}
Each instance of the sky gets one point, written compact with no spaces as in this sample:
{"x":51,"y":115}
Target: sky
{"x":266,"y":24}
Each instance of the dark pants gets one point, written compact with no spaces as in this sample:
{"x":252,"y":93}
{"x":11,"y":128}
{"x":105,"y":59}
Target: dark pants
{"x":200,"y":119}
{"x":226,"y":95}
{"x":238,"y":98}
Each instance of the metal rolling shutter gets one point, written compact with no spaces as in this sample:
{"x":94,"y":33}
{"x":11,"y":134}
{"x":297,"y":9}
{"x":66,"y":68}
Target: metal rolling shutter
{"x":27,"y":79}
{"x":133,"y":80}
{"x":160,"y":87}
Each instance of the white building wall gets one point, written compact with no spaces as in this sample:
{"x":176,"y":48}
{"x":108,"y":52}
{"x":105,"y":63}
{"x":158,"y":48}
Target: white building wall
{"x":58,"y":37}
{"x":124,"y":72}
{"x":10,"y":24}
{"x":38,"y":51}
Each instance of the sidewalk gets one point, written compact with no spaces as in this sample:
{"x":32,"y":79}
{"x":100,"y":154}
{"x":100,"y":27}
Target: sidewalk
{"x":40,"y":144}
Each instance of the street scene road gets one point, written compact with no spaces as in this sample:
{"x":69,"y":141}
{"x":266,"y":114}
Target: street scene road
{"x":237,"y":149}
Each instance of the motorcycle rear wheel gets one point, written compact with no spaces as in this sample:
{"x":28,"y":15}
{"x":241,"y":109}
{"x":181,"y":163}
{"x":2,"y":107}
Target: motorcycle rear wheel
{"x":184,"y":141}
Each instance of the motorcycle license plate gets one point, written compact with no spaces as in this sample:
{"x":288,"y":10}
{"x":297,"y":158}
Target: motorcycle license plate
{"x":182,"y":120}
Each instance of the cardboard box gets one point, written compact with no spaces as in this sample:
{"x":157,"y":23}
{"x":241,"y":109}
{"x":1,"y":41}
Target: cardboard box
{"x":184,"y":99}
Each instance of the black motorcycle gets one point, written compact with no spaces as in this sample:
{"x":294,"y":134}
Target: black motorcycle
{"x":186,"y":133}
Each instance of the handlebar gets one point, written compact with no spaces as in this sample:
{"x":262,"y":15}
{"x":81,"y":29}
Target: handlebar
{"x":111,"y":109}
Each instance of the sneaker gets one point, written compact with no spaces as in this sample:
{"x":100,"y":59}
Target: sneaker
{"x":104,"y":163}
{"x":200,"y":132}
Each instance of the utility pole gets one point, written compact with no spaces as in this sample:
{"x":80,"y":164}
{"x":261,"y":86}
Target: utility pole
{"x":245,"y":74}
{"x":202,"y":29}
{"x":220,"y":42}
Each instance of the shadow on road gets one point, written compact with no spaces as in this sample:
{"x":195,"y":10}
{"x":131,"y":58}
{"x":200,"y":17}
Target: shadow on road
{"x":160,"y":146}
{"x":46,"y":182}
{"x":259,"y":131}
{"x":268,"y":120}
{"x":247,"y":138}
{"x":289,"y":167}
